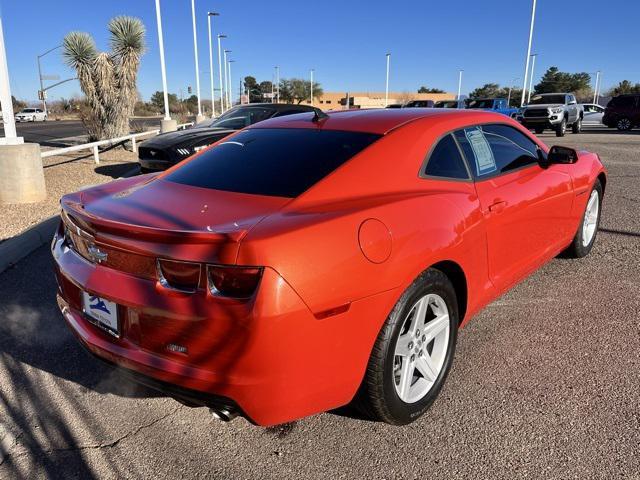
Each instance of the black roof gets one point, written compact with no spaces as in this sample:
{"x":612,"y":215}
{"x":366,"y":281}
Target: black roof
{"x":279,"y":106}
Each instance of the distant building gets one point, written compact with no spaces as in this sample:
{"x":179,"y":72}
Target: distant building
{"x":338,"y":100}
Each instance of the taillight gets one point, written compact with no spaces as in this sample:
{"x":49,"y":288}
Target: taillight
{"x":181,"y":276}
{"x":231,"y":281}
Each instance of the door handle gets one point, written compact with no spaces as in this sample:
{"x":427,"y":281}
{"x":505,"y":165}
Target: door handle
{"x":497,"y":207}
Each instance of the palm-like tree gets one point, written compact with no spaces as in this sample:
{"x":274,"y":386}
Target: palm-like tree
{"x":108,"y":80}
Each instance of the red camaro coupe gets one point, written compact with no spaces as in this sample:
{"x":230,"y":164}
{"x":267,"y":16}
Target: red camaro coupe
{"x":314,"y":260}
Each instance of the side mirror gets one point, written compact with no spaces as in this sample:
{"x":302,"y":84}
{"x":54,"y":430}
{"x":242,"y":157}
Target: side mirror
{"x":564,"y":155}
{"x":572,"y":102}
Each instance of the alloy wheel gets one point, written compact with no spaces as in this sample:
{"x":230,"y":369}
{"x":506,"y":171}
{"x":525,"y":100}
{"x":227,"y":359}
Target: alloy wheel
{"x":421,"y":348}
{"x":624,"y":124}
{"x":590,"y":222}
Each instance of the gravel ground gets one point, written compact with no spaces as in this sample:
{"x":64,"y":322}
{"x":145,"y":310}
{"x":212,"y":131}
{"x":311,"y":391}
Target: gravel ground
{"x":546,"y":384}
{"x":64,"y":174}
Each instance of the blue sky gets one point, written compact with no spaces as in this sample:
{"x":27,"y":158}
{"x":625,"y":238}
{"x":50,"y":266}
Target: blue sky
{"x":344,"y":41}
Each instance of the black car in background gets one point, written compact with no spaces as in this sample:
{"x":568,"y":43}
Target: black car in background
{"x":167,"y":149}
{"x":623,"y":112}
{"x":419,"y":104}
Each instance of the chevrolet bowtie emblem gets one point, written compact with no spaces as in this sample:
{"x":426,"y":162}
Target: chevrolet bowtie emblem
{"x":96,"y":254}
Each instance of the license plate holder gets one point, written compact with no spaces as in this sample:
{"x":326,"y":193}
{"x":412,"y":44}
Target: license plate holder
{"x":101,"y":312}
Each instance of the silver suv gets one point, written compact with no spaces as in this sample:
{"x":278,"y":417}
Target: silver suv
{"x":555,"y":111}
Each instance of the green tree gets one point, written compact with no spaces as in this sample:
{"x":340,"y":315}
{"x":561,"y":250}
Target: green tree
{"x":424,"y":89}
{"x":488,"y":90}
{"x":157,"y":101}
{"x":266,"y":87}
{"x":285,"y":91}
{"x":108,"y":80}
{"x":190,"y":104}
{"x":17,"y":104}
{"x":625,"y":86}
{"x":251,"y":86}
{"x":298,"y":90}
{"x":554,"y":80}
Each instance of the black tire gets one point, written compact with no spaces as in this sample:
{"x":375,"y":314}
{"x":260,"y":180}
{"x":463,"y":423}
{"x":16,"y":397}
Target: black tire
{"x":577,"y":125}
{"x":561,"y":128}
{"x":377,"y":397}
{"x":538,"y":130}
{"x":577,"y":249}
{"x":623,"y":124}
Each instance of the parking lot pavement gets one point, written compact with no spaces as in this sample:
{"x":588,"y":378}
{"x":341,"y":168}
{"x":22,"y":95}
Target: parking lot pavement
{"x":546,"y":384}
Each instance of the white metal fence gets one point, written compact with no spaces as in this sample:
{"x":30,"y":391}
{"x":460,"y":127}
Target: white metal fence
{"x":94,"y":146}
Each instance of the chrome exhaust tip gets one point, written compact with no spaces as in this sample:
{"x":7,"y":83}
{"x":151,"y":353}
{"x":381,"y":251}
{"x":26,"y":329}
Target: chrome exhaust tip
{"x":223,"y":414}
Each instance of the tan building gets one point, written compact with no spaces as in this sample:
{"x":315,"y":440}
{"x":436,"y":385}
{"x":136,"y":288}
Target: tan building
{"x":338,"y":100}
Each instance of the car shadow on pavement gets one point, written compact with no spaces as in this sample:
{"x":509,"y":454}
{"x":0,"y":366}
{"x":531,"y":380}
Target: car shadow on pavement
{"x":34,"y":407}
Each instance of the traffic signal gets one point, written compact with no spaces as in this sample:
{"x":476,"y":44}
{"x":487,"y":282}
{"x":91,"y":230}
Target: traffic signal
{"x":189,"y":89}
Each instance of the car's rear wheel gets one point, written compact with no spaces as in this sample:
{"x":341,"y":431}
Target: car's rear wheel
{"x":577,"y":126}
{"x":623,"y":124}
{"x":539,"y":130}
{"x":561,"y":128}
{"x":413,"y":353}
{"x":586,"y":235}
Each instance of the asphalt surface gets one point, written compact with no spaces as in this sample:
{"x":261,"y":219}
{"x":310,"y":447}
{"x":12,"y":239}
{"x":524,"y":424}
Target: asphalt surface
{"x":546,"y":384}
{"x":59,"y":133}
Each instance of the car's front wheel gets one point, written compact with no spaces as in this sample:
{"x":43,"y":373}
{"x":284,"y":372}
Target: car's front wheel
{"x":577,"y":126}
{"x":413,"y":353}
{"x":623,"y":124}
{"x":585,"y":237}
{"x":561,"y":128}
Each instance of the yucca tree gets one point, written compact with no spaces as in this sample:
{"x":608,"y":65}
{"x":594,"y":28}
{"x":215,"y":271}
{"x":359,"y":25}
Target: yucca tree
{"x":108,"y":80}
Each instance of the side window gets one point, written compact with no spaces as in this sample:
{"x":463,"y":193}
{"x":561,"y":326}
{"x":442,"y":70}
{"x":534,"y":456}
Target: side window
{"x":496,"y":148}
{"x":445,"y":160}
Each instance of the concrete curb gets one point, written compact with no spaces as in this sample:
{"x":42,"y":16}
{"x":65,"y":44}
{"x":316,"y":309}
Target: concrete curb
{"x":16,"y":248}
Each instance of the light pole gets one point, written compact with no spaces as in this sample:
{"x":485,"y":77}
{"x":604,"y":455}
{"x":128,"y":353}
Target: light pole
{"x":311,"y":86}
{"x":459,"y":84}
{"x":597,"y":87}
{"x":533,"y":66}
{"x":386,"y":85}
{"x":526,"y":66}
{"x":277,"y":84}
{"x":166,"y":125}
{"x":226,"y":80}
{"x":230,"y":85}
{"x":213,"y":98}
{"x":199,"y":117}
{"x":44,"y":101}
{"x":220,"y":72}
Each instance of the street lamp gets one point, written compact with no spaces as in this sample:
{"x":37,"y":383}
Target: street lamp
{"x":213,"y":99}
{"x":386,"y":85}
{"x":199,"y":117}
{"x":596,"y":93}
{"x":230,"y":85}
{"x":510,"y":88}
{"x":220,"y":72}
{"x":277,"y":84}
{"x":226,"y":80}
{"x":44,"y":100}
{"x":459,"y":84}
{"x":311,"y":86}
{"x":526,"y":66}
{"x":533,"y":66}
{"x":167,"y":125}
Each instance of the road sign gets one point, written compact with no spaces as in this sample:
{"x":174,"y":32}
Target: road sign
{"x":50,"y":77}
{"x":42,"y":94}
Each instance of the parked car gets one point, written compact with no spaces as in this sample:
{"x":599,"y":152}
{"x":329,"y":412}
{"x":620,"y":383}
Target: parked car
{"x":554,"y":111}
{"x":623,"y":112}
{"x":165,"y":150}
{"x":293,"y":268}
{"x":499,"y":105}
{"x":593,"y":114}
{"x":394,"y":105}
{"x":449,"y":104}
{"x":31,"y":115}
{"x":419,"y":104}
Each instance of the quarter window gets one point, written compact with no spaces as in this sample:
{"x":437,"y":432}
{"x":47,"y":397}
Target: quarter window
{"x":445,"y":160}
{"x":495,"y":149}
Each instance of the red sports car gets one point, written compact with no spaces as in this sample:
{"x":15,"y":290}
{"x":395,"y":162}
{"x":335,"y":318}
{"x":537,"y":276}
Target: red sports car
{"x":314,"y":260}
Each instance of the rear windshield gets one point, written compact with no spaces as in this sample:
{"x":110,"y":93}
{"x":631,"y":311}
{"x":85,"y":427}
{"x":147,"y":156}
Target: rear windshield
{"x":274,"y":162}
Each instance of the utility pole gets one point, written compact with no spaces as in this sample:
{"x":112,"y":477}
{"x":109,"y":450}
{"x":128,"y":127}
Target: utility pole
{"x":277,"y":84}
{"x":230,"y":85}
{"x":311,"y":86}
{"x":526,"y":66}
{"x":213,"y":98}
{"x":386,"y":84}
{"x":42,"y":90}
{"x":226,"y":80}
{"x":199,"y":117}
{"x":533,"y":66}
{"x":220,"y":72}
{"x":459,"y":85}
{"x":167,"y":124}
{"x":596,"y":88}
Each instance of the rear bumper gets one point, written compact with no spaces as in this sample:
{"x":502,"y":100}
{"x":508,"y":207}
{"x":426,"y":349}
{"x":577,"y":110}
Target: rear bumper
{"x":268,"y":357}
{"x":155,"y":165}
